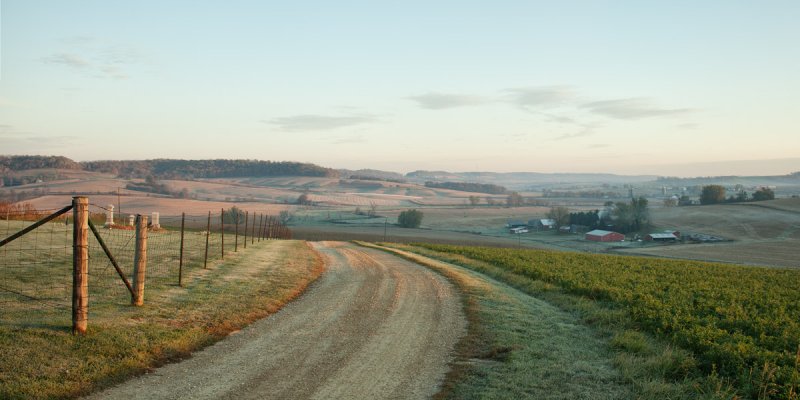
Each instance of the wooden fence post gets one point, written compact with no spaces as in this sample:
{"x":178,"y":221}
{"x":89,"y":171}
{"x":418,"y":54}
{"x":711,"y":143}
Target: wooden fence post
{"x":246,"y":214}
{"x":140,"y":260}
{"x":208,"y":233}
{"x":80,"y":265}
{"x":180,"y":262}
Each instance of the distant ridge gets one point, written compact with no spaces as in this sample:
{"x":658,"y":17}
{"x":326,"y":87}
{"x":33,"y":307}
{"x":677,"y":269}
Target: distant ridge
{"x":170,"y":168}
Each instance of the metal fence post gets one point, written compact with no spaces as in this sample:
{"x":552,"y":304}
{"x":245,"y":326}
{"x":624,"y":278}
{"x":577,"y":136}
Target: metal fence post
{"x":208,"y":233}
{"x":253,"y":233}
{"x":236,"y":233}
{"x":80,"y":265}
{"x":246,"y":214}
{"x":222,"y":233}
{"x":140,"y":260}
{"x":180,"y":262}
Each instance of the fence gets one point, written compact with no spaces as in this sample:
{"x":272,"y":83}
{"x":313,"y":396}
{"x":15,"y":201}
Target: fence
{"x":40,"y":267}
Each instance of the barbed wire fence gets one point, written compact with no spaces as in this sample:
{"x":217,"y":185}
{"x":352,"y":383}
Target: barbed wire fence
{"x":37,"y":266}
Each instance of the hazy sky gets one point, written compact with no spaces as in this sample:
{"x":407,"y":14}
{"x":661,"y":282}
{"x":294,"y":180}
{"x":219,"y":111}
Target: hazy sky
{"x":609,"y":86}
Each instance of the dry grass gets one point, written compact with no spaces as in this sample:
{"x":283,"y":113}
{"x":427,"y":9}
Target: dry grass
{"x":48,"y":362}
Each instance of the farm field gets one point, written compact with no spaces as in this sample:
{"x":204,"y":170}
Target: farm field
{"x":763,"y":233}
{"x":741,"y":323}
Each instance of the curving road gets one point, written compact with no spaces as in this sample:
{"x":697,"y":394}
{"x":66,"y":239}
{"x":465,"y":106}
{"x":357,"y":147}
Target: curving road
{"x":374,"y":326}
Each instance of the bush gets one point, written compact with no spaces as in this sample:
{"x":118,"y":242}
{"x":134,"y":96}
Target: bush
{"x":410,"y":218}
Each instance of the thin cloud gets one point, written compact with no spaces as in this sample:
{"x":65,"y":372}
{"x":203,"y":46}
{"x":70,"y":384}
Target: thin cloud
{"x":96,"y":60}
{"x":543,"y":96}
{"x":632,"y":108}
{"x":439,"y":101}
{"x":68,"y":59}
{"x":311,"y":122}
{"x":585,"y":132}
{"x":598,"y":146}
{"x":358,"y":139}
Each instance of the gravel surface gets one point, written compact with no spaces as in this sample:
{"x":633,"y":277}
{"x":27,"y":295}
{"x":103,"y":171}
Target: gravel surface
{"x":374,"y":326}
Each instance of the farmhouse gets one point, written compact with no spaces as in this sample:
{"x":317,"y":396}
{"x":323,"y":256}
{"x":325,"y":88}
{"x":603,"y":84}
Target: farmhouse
{"x":518,"y":230}
{"x":599,"y":235}
{"x":543,"y":224}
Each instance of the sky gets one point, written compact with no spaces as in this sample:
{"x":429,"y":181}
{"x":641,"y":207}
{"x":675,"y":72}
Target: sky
{"x":633,"y":87}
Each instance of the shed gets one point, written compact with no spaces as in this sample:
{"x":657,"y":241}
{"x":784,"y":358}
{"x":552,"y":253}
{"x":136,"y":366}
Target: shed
{"x":543,"y":224}
{"x":599,"y":235}
{"x":661,"y":237}
{"x":516,"y":223}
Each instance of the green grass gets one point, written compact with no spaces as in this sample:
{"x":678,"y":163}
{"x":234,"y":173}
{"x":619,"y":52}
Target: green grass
{"x":519,"y":346}
{"x":42,"y":360}
{"x":723,"y":330}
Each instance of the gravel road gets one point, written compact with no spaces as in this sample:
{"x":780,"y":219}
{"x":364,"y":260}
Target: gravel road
{"x":374,"y":326}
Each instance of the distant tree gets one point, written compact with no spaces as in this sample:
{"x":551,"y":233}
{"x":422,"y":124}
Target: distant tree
{"x":233,"y":214}
{"x":559,"y":214}
{"x":684,"y":200}
{"x":764,"y":194}
{"x":712,"y":194}
{"x":490,"y":201}
{"x":410,"y":218}
{"x":514,"y":199}
{"x":474,"y":200}
{"x":589,"y":219}
{"x":285,"y":216}
{"x":304,"y":199}
{"x":631,"y":217}
{"x":670,"y":202}
{"x":741,"y":196}
{"x":373,"y":209}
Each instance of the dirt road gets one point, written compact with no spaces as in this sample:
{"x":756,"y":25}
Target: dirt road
{"x":374,"y":326}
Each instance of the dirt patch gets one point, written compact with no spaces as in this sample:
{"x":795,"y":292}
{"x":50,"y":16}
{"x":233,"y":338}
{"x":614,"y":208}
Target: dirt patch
{"x":374,"y":326}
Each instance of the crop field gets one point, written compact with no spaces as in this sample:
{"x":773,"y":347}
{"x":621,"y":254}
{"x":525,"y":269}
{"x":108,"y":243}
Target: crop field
{"x":741,"y":323}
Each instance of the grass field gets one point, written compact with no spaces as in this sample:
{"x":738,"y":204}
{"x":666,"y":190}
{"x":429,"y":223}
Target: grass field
{"x":41,"y":359}
{"x":741,"y":324}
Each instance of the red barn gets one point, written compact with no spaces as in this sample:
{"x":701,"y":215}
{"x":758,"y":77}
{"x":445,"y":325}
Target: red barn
{"x":598,"y":235}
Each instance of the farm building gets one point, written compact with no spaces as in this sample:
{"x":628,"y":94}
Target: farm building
{"x":518,"y":230}
{"x":542,"y":224}
{"x":598,"y":235}
{"x":668,"y":236}
{"x":516,"y":223}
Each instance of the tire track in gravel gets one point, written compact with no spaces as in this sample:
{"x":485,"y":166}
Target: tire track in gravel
{"x":374,"y":326}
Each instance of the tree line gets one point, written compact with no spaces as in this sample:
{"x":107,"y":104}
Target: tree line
{"x":715,"y":194}
{"x":468,"y":187}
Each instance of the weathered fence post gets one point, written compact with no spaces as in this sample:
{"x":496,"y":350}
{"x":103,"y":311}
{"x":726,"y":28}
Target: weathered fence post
{"x":140,"y":260}
{"x":80,"y":264}
{"x":246,"y":214}
{"x":180,"y":261}
{"x":253,"y":233}
{"x":208,"y":233}
{"x":222,"y":233}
